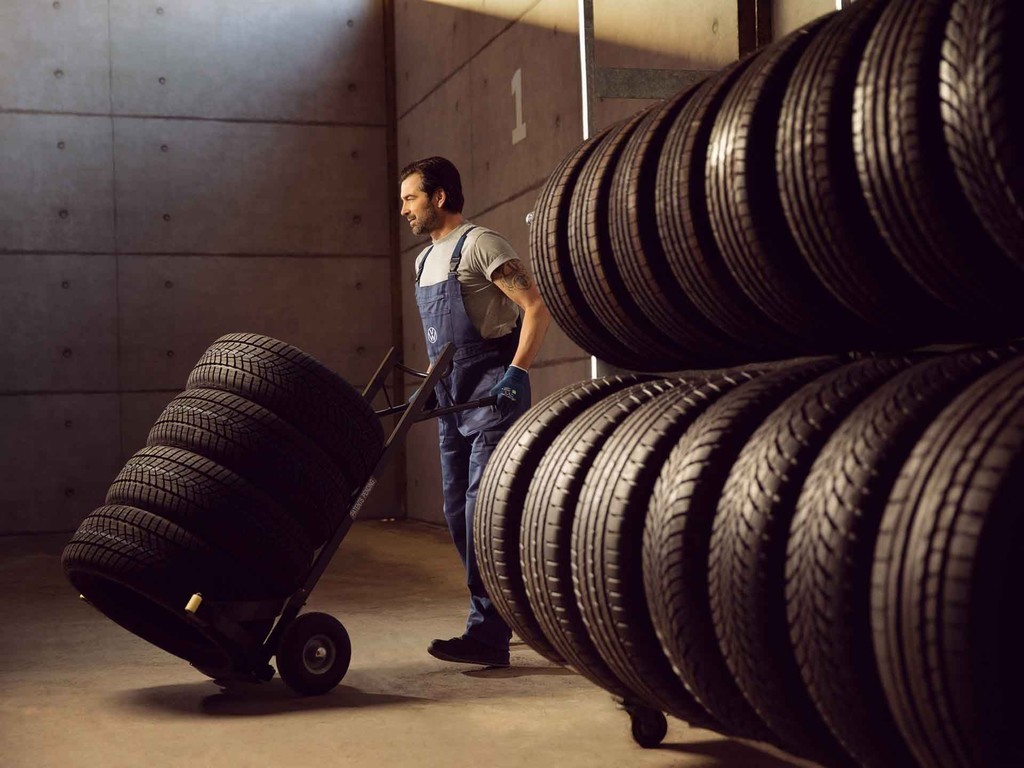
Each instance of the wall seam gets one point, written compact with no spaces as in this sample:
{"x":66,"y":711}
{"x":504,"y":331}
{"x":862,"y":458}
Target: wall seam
{"x":117,"y":250}
{"x":191,"y":118}
{"x":391,"y":152}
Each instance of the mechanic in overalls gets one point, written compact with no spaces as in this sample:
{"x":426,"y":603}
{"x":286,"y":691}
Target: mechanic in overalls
{"x":471,"y":290}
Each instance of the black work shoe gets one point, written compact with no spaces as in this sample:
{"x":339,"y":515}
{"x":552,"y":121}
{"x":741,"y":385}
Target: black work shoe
{"x":466,"y":650}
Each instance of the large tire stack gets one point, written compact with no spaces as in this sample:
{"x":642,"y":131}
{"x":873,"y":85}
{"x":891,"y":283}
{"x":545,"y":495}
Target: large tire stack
{"x":819,"y":552}
{"x":244,"y":475}
{"x":856,"y":185}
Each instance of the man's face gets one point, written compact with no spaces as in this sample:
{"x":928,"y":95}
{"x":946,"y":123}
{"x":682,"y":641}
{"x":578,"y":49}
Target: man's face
{"x":418,"y":208}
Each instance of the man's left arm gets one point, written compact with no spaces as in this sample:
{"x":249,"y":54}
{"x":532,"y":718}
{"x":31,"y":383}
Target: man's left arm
{"x":513,"y":279}
{"x":515,"y":282}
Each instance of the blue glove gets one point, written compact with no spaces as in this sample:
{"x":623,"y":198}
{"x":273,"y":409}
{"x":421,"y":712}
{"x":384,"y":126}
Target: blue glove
{"x":509,"y":389}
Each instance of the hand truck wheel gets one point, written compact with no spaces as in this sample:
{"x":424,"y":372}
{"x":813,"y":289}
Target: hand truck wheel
{"x":314,"y":654}
{"x":649,"y":726}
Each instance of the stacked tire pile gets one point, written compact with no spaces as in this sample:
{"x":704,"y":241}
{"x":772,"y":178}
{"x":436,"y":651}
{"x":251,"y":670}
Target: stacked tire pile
{"x":244,"y":475}
{"x":856,"y":185}
{"x":821,"y":554}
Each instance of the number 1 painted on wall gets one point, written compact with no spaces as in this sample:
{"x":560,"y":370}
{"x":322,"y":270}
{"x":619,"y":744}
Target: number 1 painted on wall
{"x":519,"y":132}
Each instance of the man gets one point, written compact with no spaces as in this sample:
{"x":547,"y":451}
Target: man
{"x":473,"y":291}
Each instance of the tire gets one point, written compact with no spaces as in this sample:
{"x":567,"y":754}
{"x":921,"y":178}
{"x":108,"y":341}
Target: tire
{"x":684,"y":226}
{"x":748,"y":551}
{"x":677,"y":538}
{"x":821,"y":195}
{"x":300,"y":390}
{"x":497,"y":524}
{"x":607,"y":544}
{"x":746,"y":213}
{"x":221,"y":508}
{"x":982,"y":115}
{"x":314,"y":654}
{"x":951,"y":540}
{"x":140,"y":570}
{"x":549,"y":510}
{"x":637,"y":252}
{"x":265,"y":450}
{"x":908,"y":179}
{"x":831,"y":546}
{"x":593,"y":261}
{"x":549,"y":257}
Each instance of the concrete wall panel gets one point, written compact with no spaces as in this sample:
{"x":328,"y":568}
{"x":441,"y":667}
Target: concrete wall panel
{"x":432,"y":40}
{"x":54,"y":56}
{"x":505,"y":161}
{"x":59,"y":455}
{"x":59,"y":315}
{"x":306,"y":60}
{"x":173,"y":308}
{"x":56,"y":183}
{"x":230,"y":188}
{"x":423,"y":474}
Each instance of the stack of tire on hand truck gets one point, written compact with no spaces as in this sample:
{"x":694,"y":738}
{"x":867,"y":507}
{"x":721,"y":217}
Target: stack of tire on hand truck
{"x":814,"y":537}
{"x":206,"y":544}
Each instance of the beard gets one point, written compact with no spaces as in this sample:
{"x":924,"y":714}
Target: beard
{"x":426,"y":223}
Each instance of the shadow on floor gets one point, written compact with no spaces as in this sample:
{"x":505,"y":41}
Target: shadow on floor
{"x":732,"y":753}
{"x":505,"y":672}
{"x":271,"y":698}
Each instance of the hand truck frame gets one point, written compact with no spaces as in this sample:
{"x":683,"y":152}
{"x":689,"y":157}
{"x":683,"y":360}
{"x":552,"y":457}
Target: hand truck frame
{"x":312,"y":650}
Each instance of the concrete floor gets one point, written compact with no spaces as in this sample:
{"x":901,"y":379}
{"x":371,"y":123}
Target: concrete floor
{"x":77,"y":690}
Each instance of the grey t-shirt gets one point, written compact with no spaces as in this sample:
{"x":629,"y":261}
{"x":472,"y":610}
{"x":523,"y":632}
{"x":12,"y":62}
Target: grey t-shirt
{"x":490,"y":310}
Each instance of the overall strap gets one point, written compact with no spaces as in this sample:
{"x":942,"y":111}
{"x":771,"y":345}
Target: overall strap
{"x":457,"y":252}
{"x":423,"y":263}
{"x":456,"y":256}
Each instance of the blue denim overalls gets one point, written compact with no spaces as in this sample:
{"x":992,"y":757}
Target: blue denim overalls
{"x":467,"y":438}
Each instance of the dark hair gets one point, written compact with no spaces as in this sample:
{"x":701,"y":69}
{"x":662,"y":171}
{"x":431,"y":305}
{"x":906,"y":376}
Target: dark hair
{"x":438,"y":173}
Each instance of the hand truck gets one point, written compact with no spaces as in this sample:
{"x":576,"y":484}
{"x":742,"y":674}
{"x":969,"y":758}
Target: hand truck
{"x":312,"y":650}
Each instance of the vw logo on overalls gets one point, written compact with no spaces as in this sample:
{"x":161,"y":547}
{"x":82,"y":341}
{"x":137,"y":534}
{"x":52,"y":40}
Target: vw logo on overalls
{"x":432,"y":335}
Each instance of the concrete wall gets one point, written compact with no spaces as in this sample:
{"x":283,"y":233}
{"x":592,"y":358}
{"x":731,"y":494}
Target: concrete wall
{"x":170,"y":172}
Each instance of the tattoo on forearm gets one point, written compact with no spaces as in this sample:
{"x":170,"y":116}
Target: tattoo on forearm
{"x":514,"y":277}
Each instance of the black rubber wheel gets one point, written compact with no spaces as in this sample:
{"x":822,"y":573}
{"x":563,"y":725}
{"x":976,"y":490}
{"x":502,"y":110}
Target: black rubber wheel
{"x":552,"y":265}
{"x":831,"y":547}
{"x":549,"y":511}
{"x":299,"y":389}
{"x":908,"y":179}
{"x":821,"y":195}
{"x":593,"y":261}
{"x":638,"y":253}
{"x":982,"y":115}
{"x":314,"y":654}
{"x":677,"y":538}
{"x":748,"y":551}
{"x":684,"y":226}
{"x":220,"y":507}
{"x":140,"y":570}
{"x":746,"y":212}
{"x":497,"y":519}
{"x":648,"y":726}
{"x":267,"y":451}
{"x":607,"y":543}
{"x":945,"y":581}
